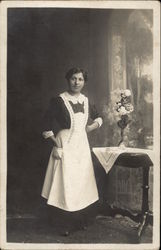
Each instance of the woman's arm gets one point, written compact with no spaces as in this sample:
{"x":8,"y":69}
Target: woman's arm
{"x":92,"y":126}
{"x":97,"y":119}
{"x":50,"y":136}
{"x":51,"y":126}
{"x":47,"y":128}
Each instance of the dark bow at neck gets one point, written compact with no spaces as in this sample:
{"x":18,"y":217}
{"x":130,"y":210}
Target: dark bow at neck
{"x":78,"y":107}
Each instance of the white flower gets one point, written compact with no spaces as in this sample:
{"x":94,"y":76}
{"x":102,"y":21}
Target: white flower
{"x":122,"y":111}
{"x":129,"y":107}
{"x":117,"y":106}
{"x":125,"y":93}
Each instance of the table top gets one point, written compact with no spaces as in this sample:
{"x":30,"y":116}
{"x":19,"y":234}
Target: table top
{"x":128,"y":157}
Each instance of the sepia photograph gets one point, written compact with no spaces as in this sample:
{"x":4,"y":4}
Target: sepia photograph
{"x":80,"y":125}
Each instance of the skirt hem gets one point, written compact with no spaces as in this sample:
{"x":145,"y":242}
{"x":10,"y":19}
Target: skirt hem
{"x":70,"y":210}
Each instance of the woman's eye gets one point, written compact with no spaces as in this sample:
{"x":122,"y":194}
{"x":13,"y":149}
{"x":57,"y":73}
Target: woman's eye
{"x":79,"y":79}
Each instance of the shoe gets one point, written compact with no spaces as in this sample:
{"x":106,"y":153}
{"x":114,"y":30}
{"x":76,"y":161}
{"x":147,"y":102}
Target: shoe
{"x":84,"y":228}
{"x":65,"y":233}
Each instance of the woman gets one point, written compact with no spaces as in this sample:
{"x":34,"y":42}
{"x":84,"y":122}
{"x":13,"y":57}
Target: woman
{"x":70,"y":183}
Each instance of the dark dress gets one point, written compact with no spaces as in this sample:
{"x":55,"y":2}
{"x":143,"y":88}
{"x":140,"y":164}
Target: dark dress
{"x":59,"y":117}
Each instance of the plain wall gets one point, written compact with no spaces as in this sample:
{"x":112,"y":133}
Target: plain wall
{"x":42,"y":45}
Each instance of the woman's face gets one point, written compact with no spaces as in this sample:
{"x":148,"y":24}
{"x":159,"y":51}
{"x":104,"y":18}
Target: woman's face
{"x":76,"y":83}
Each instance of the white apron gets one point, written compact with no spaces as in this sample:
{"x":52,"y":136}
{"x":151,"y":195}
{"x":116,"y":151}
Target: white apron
{"x":70,"y":182}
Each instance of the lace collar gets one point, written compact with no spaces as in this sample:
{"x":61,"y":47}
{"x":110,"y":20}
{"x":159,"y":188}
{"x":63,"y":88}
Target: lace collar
{"x":74,"y":99}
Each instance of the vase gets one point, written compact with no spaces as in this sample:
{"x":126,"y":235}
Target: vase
{"x":124,"y":138}
{"x":123,"y":124}
{"x":121,"y":142}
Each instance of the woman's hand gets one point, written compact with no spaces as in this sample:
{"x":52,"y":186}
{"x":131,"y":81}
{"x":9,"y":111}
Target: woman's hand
{"x":91,"y":127}
{"x":56,"y":153}
{"x":88,"y":128}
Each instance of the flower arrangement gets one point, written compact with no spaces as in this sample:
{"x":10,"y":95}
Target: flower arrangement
{"x":123,"y":107}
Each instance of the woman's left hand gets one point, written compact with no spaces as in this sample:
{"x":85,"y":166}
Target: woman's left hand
{"x":91,"y":127}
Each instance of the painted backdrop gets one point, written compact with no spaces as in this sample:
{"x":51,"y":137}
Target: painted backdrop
{"x":115,"y":47}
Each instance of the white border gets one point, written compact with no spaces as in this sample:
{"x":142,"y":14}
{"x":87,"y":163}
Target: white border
{"x":156,"y":121}
{"x":155,"y":5}
{"x":85,"y":4}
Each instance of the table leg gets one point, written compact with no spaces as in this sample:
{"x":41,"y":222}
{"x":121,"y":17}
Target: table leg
{"x":145,"y":201}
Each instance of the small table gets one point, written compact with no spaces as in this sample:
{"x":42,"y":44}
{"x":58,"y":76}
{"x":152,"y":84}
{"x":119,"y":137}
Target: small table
{"x":130,"y":158}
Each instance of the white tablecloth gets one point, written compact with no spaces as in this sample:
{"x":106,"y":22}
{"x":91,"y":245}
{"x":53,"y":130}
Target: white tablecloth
{"x":108,"y":155}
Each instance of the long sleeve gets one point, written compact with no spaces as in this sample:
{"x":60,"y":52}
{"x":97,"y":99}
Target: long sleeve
{"x":50,"y":123}
{"x":94,"y":115}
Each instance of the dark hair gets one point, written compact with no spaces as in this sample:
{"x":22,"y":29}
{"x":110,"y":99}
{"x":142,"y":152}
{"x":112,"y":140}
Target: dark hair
{"x":75,"y":71}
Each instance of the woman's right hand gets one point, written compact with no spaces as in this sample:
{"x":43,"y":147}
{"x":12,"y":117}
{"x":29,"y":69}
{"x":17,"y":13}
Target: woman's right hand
{"x":56,"y":153}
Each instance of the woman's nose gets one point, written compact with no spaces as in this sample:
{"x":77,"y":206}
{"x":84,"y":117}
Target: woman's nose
{"x":76,"y":82}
